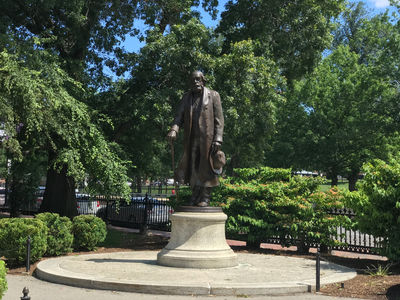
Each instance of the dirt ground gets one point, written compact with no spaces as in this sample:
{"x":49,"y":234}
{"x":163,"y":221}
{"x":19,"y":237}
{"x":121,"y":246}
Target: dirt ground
{"x":381,"y":285}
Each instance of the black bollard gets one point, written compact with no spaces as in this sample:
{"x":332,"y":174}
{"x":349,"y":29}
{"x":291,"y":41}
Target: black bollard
{"x":28,"y":254}
{"x":25,"y":293}
{"x":318,"y":272}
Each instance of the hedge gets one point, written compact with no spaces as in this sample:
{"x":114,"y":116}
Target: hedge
{"x":59,"y":237}
{"x":265,"y":203}
{"x":377,"y":203}
{"x":14,"y":233}
{"x":88,"y":232}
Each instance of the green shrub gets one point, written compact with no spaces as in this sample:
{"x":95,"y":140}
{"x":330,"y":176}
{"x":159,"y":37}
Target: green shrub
{"x":182,"y":197}
{"x":3,"y":281}
{"x":291,"y":209}
{"x":377,"y":205}
{"x":14,"y":233}
{"x":59,"y":237}
{"x":88,"y":231}
{"x":261,"y":175}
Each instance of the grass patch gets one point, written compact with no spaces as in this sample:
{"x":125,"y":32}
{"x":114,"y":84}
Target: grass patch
{"x":342,"y":185}
{"x":118,"y":239}
{"x":133,"y":240}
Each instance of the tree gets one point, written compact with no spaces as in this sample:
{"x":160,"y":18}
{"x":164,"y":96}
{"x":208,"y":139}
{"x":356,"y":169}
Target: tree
{"x":295,"y":32}
{"x":349,"y":30}
{"x":249,"y":86}
{"x":83,"y":34}
{"x":40,"y":115}
{"x":77,"y":32}
{"x":163,"y":13}
{"x":347,"y":104}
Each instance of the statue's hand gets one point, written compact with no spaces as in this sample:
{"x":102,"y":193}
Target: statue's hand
{"x":171,"y":137}
{"x":215,"y":146}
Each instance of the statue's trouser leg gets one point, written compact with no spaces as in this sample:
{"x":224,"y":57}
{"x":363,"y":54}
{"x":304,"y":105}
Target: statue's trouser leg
{"x":196,"y":195}
{"x":203,"y":195}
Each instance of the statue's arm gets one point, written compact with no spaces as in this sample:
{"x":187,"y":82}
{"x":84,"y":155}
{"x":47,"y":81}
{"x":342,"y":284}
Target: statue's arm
{"x":218,"y":119}
{"x":179,"y":117}
{"x":178,"y":122}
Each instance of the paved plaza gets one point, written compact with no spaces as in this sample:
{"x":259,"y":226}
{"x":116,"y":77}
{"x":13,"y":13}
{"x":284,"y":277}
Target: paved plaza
{"x":137,"y":271}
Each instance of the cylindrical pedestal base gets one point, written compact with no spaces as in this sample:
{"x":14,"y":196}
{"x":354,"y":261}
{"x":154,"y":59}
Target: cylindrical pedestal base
{"x":197,"y":241}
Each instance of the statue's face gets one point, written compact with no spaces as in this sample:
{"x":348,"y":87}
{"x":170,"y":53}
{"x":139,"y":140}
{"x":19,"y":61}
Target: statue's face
{"x":197,"y":82}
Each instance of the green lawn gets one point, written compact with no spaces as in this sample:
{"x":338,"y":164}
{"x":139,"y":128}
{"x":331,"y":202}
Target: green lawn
{"x":119,"y":239}
{"x":342,"y":185}
{"x":132,"y":240}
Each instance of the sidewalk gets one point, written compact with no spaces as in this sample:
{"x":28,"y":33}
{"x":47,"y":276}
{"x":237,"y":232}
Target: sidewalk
{"x":42,"y":290}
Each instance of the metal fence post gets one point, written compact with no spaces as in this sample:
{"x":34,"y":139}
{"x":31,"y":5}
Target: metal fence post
{"x":28,"y":254}
{"x":107,"y":207}
{"x":144,"y":228}
{"x":25,"y":293}
{"x":318,"y":272}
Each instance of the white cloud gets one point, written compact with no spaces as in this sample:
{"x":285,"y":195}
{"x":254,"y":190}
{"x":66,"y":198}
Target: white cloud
{"x":380,"y":3}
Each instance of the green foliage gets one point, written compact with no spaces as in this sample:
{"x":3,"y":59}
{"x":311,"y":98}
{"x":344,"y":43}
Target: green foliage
{"x":291,"y":209}
{"x":377,"y":205}
{"x":34,"y":94}
{"x":345,"y":112}
{"x":181,"y":198}
{"x":295,"y":32}
{"x":88,"y":232}
{"x":345,"y":119}
{"x":59,"y":237}
{"x":14,"y":233}
{"x":261,"y":175}
{"x":24,"y":180}
{"x":3,"y":280}
{"x":249,"y":86}
{"x":378,"y":270}
{"x":251,"y":89}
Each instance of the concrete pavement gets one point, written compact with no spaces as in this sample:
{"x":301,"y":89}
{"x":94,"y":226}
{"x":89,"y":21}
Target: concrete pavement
{"x":43,"y":290}
{"x":111,"y":275}
{"x":137,"y":271}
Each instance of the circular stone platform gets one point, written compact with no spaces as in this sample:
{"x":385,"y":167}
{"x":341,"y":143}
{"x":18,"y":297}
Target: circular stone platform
{"x":137,"y":271}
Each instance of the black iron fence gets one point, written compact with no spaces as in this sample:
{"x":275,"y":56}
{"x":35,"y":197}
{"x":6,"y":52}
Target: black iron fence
{"x":149,"y":208}
{"x":154,"y":189}
{"x":142,"y":211}
{"x":354,"y":240}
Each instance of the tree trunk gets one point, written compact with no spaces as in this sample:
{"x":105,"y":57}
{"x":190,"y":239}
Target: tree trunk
{"x":138,"y":184}
{"x":15,"y":199}
{"x":59,"y":196}
{"x":334,"y":181}
{"x":353,"y":177}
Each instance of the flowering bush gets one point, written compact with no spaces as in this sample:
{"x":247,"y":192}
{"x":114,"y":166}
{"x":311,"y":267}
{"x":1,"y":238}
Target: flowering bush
{"x":377,"y":203}
{"x":268,"y":203}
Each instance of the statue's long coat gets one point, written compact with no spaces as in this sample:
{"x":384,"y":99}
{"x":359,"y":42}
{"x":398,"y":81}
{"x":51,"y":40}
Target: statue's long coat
{"x":211,"y":124}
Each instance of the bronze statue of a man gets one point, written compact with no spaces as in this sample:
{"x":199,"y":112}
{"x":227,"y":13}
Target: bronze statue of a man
{"x":200,"y":114}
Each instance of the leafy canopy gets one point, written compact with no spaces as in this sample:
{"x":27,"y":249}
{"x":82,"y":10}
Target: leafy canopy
{"x":37,"y":109}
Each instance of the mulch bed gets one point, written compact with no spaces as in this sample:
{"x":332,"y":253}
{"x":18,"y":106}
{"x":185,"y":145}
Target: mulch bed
{"x":366,"y":287}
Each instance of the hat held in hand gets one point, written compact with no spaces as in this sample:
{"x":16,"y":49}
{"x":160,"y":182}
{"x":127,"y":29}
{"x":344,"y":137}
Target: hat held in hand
{"x":217,"y":161}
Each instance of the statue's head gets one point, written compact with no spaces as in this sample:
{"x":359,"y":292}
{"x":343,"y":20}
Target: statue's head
{"x":197,"y":81}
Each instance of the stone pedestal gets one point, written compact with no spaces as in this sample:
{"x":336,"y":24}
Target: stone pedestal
{"x":198,"y":240}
